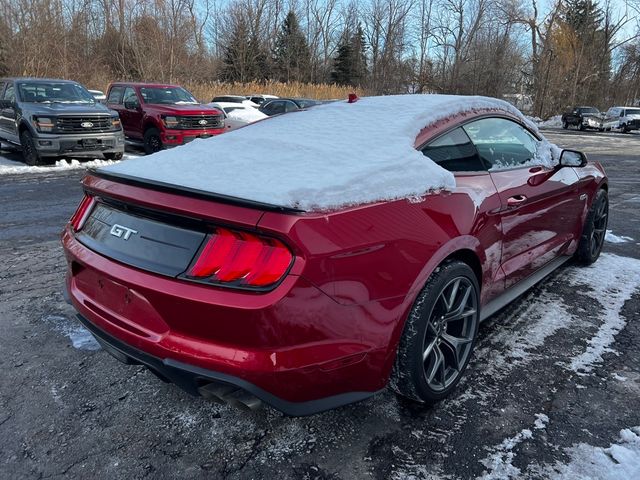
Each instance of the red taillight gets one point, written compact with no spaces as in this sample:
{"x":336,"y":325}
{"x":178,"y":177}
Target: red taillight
{"x":82,"y":212}
{"x":241,"y":259}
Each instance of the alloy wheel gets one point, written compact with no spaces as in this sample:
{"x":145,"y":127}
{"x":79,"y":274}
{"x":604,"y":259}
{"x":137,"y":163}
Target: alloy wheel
{"x":599,"y":226}
{"x":450,"y":333}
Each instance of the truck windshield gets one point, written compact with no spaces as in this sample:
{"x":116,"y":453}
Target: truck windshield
{"x":167,"y":96}
{"x":589,"y":110}
{"x":39,"y":92}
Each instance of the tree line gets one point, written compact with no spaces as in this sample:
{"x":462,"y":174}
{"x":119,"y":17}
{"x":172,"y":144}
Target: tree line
{"x":563,"y":53}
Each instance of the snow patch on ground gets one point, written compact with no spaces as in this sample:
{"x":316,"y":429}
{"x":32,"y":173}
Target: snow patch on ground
{"x":613,"y":280}
{"x":621,"y":460}
{"x":613,"y":238}
{"x":552,"y":122}
{"x":10,"y":167}
{"x":80,"y":337}
{"x":499,"y":463}
{"x":330,"y":156}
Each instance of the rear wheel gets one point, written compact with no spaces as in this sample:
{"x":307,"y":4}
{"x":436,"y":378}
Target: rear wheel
{"x":113,"y":155}
{"x":594,"y":230}
{"x":439,"y":335}
{"x":581,"y":127}
{"x":565,"y":125}
{"x":29,"y":151}
{"x":152,"y":141}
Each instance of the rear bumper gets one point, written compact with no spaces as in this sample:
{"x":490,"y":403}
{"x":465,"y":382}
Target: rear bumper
{"x":294,"y":347}
{"x":191,"y":377}
{"x":84,"y":145}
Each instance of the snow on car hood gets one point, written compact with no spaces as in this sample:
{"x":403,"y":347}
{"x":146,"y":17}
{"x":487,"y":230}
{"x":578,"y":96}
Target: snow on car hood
{"x":332,"y":156}
{"x":247,"y":115}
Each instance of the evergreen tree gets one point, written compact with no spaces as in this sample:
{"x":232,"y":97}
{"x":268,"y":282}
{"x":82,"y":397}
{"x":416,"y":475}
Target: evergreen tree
{"x":291,"y":55}
{"x":350,"y":64}
{"x":244,"y":58}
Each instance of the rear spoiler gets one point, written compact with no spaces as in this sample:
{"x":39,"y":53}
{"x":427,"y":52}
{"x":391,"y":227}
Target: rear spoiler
{"x":190,"y":192}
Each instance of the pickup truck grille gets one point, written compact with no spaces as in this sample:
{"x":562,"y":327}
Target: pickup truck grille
{"x":200,"y":122}
{"x":85,"y":124}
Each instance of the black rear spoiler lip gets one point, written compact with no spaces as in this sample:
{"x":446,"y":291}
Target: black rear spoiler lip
{"x":191,"y":192}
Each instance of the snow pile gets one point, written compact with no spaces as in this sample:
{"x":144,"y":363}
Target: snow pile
{"x":248,"y":115}
{"x":553,"y":122}
{"x":613,"y":238}
{"x":11,"y":167}
{"x":619,"y":460}
{"x":500,"y":462}
{"x":331,"y":156}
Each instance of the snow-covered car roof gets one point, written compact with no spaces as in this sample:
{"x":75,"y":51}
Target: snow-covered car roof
{"x":332,"y":156}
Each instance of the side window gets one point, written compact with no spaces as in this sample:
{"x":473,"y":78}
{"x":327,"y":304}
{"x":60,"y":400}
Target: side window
{"x":115,"y":95}
{"x":454,"y":151}
{"x":290,"y":107}
{"x":502,"y":143}
{"x":10,"y":93}
{"x":130,"y":96}
{"x":276,"y":107}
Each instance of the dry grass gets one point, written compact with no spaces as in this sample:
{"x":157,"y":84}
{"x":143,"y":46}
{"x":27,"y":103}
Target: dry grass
{"x":205,"y":92}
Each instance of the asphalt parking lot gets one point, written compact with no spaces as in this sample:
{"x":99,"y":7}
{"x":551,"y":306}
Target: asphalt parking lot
{"x":555,"y":374}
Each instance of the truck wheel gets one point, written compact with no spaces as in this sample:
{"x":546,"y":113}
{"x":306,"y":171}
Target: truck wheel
{"x":29,"y":152}
{"x":439,"y":335}
{"x":623,"y":128}
{"x":565,"y":125}
{"x":113,"y":155}
{"x":581,"y":127}
{"x":152,"y":142}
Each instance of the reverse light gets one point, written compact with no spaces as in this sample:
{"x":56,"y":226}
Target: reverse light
{"x":82,"y":212}
{"x":241,"y":259}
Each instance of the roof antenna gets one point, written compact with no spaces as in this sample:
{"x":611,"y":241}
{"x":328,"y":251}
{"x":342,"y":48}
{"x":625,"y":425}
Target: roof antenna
{"x":353,"y":98}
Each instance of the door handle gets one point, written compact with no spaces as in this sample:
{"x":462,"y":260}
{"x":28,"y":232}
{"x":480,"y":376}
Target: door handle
{"x":516,"y":201}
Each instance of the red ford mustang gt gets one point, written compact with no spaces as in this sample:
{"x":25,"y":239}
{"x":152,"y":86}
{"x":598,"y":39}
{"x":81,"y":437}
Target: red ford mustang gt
{"x":307,"y":305}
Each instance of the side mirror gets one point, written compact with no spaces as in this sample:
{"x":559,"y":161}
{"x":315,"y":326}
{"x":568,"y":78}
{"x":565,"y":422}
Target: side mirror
{"x":131,"y":105}
{"x":572,"y":158}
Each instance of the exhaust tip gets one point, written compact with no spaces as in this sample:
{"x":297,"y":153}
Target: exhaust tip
{"x":230,"y":395}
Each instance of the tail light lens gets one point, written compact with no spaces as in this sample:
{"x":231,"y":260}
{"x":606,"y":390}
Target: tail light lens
{"x":82,"y":212}
{"x":241,"y":259}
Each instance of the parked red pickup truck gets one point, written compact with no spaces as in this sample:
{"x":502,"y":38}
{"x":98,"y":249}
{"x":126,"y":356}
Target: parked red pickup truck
{"x":160,"y":116}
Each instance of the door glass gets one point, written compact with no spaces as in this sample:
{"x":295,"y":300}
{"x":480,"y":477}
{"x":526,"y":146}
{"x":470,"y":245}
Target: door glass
{"x":10,"y":93}
{"x":454,"y":152}
{"x":290,"y":107}
{"x":502,"y":143}
{"x":130,"y":96}
{"x":115,"y":95}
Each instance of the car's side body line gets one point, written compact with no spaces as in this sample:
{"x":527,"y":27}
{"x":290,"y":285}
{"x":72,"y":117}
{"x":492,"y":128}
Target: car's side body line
{"x":521,"y":287}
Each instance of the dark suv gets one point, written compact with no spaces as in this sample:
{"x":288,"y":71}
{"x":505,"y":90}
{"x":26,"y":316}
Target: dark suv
{"x":160,"y":116}
{"x":51,"y":118}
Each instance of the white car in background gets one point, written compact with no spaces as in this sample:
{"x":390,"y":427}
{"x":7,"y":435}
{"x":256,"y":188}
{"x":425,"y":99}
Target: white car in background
{"x":237,"y":115}
{"x":234,"y":99}
{"x":623,"y":118}
{"x":260,"y":98}
{"x":98,"y":95}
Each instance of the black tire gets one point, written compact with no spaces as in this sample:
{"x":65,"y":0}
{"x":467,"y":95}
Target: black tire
{"x":29,"y":152}
{"x":581,"y":126}
{"x":428,"y":337}
{"x":152,"y":141}
{"x":565,"y":125}
{"x":113,"y":155}
{"x":624,"y":129}
{"x":594,"y":230}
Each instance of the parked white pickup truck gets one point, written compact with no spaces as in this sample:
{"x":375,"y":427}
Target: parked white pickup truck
{"x":623,"y":118}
